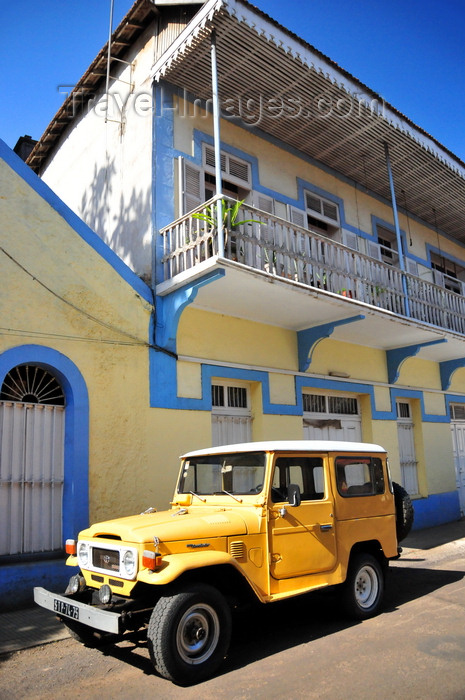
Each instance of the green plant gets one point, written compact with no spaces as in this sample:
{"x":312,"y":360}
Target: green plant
{"x":229,"y":215}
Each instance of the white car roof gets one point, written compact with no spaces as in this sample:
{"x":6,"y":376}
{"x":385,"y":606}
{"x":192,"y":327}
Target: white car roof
{"x":289,"y":446}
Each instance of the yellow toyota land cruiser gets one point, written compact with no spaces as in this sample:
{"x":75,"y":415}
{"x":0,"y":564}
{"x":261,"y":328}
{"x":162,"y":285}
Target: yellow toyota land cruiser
{"x":266,"y":520}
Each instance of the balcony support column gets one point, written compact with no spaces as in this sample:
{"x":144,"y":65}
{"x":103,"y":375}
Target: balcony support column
{"x":397,"y":227}
{"x":217,"y":144}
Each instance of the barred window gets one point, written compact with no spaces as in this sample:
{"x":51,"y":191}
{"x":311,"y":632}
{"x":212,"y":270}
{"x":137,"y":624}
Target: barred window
{"x":229,"y":396}
{"x":343,"y":405}
{"x":333,"y":405}
{"x":314,"y":403}
{"x":457,"y":411}
{"x":403,"y":410}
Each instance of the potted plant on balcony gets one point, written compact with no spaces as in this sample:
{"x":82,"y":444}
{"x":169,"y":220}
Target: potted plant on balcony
{"x":230,"y":214}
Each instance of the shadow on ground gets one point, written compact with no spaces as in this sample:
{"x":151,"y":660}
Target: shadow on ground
{"x":265,"y":630}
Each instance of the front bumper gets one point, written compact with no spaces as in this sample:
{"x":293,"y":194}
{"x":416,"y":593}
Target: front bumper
{"x":102,"y":620}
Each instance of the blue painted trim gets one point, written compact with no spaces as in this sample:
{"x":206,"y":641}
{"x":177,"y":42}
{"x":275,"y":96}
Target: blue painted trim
{"x":163,"y":165}
{"x":76,"y":454}
{"x":170,"y":307}
{"x":437,"y":509}
{"x":309,"y":338}
{"x":18,"y":580}
{"x":415,"y":394}
{"x":397,"y":356}
{"x":82,"y":230}
{"x":447,"y":369}
{"x":164,"y":394}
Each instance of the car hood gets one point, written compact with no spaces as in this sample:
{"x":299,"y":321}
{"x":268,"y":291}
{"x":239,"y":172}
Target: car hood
{"x":169,"y":526}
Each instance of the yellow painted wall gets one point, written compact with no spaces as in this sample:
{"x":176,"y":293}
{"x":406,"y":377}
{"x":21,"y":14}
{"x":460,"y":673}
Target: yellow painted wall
{"x":59,"y":293}
{"x":213,"y":336}
{"x":362,"y":363}
{"x":416,"y":372}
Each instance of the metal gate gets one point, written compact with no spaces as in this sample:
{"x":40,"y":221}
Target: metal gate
{"x":458,"y":443}
{"x":31,"y":477}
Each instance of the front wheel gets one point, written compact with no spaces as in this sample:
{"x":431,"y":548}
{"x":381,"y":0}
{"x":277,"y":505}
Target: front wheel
{"x":364,"y":587}
{"x":188,"y":634}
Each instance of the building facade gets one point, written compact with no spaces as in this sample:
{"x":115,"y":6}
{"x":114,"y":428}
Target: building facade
{"x":330,"y":303}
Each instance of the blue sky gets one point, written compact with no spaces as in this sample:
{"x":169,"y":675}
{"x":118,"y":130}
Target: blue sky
{"x":412,"y":52}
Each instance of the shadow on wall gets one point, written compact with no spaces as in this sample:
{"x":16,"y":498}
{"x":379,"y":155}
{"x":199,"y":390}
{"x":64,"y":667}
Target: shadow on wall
{"x":124,"y":224}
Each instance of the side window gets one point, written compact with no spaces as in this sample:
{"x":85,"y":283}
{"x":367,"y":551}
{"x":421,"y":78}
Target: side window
{"x":306,"y":472}
{"x":359,"y":476}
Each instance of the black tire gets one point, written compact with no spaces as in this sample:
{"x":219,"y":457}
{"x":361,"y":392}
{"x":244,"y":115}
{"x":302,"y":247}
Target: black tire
{"x":363,"y":589}
{"x":86,"y":635}
{"x":404,"y":511}
{"x":188,"y":634}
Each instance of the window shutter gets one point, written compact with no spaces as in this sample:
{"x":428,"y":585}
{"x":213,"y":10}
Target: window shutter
{"x":411,"y":266}
{"x":297,"y":216}
{"x":191,"y":186}
{"x":350,"y":239}
{"x":327,"y":210}
{"x":438,"y":278}
{"x":263,"y":202}
{"x":330,"y":210}
{"x":313,"y":203}
{"x":238,"y":169}
{"x":373,"y":250}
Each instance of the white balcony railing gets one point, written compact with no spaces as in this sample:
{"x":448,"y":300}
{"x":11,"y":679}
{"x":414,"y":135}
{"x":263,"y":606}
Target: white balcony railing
{"x":283,"y":249}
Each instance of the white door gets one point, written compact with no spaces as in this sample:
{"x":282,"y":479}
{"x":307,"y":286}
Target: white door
{"x":458,"y":443}
{"x":231,"y":414}
{"x":407,"y":456}
{"x":331,"y":417}
{"x":31,"y":477}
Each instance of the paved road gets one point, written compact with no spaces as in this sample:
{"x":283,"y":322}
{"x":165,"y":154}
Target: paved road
{"x":296,"y":649}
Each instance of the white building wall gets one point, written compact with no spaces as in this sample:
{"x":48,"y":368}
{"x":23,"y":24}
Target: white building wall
{"x":103,"y":167}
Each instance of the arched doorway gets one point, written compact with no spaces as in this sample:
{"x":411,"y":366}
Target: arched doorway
{"x":32,"y":429}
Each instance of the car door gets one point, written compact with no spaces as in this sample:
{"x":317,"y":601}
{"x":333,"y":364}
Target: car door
{"x":302,"y":539}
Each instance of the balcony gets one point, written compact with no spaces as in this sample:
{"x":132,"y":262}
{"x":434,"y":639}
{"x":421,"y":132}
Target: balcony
{"x":278,"y":250}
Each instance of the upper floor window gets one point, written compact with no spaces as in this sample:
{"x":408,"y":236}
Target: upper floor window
{"x":198,"y":184}
{"x":322,"y":214}
{"x":386,"y":248}
{"x":447,"y":273}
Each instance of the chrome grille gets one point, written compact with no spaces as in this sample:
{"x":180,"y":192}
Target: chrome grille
{"x":105,"y":559}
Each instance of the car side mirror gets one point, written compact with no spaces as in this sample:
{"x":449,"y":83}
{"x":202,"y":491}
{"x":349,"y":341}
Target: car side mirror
{"x":293,"y":495}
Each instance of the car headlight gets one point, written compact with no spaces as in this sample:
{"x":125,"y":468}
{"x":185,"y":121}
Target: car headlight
{"x":129,"y":562}
{"x":83,"y":554}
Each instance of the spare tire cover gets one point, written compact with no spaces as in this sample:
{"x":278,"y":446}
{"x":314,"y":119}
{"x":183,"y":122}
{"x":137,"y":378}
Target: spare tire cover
{"x":404,"y":511}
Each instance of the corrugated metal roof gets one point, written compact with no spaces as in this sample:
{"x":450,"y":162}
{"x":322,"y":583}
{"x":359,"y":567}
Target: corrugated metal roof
{"x":262,"y":63}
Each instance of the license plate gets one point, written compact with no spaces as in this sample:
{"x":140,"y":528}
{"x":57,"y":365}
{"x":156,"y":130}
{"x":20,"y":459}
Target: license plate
{"x":63,"y":608}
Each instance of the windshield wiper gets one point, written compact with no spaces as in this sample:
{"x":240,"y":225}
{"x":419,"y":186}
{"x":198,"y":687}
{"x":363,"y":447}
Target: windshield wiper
{"x":197,"y":495}
{"x":239,"y":500}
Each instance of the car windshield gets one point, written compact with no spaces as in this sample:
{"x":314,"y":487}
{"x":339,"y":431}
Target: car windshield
{"x":240,"y":473}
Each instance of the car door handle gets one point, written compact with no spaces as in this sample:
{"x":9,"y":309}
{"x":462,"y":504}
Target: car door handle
{"x":325,"y":528}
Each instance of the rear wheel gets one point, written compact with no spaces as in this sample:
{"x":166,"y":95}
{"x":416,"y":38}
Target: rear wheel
{"x":189,"y":633}
{"x":364,"y":587}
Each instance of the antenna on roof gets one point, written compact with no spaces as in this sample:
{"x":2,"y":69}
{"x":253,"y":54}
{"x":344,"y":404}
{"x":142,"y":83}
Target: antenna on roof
{"x":110,"y":32}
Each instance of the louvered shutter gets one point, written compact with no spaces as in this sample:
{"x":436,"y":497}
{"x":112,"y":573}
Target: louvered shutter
{"x":350,"y":239}
{"x":297,"y":216}
{"x":191,"y":186}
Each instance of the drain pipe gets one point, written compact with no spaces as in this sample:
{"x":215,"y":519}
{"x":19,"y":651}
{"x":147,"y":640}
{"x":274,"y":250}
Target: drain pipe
{"x":397,"y":227}
{"x":217,"y":144}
